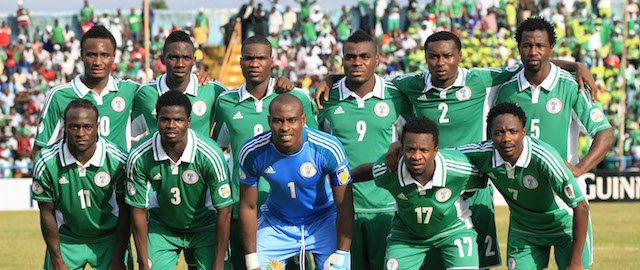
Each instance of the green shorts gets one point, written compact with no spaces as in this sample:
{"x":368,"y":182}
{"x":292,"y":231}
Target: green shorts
{"x":481,"y":206}
{"x":457,"y":250}
{"x":529,"y":251}
{"x":164,"y":246}
{"x":78,"y":254}
{"x":368,"y":245}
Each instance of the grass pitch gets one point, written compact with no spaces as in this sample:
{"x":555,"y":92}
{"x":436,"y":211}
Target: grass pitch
{"x":616,"y":237}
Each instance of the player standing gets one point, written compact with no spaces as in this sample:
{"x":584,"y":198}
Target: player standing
{"x":79,"y":185}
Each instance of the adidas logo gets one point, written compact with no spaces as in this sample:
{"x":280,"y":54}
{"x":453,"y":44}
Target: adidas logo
{"x":423,"y":97}
{"x":269,"y":170}
{"x":157,"y":177}
{"x":238,"y":115}
{"x":402,"y":197}
{"x":63,"y":180}
{"x":154,"y":112}
{"x":339,"y":110}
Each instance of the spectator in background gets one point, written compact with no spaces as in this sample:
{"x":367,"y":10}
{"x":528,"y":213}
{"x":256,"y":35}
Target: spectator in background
{"x":24,"y":19}
{"x":68,"y":34}
{"x":86,"y":26}
{"x":245,"y":15}
{"x":365,"y":15}
{"x":227,"y":30}
{"x":203,"y":19}
{"x":134,"y":26}
{"x":393,"y":20}
{"x":259,"y":20}
{"x":57,"y":32}
{"x":289,"y":19}
{"x":200,"y":34}
{"x":5,"y":34}
{"x":305,"y":8}
{"x":275,"y":21}
{"x":86,"y":13}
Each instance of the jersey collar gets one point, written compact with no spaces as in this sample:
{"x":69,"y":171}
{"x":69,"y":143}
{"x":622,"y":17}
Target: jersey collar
{"x":244,"y":94}
{"x":188,"y":155}
{"x":522,"y":162}
{"x":547,"y":84}
{"x":378,"y":89}
{"x":459,"y":82}
{"x":97,"y":160}
{"x":192,"y":88}
{"x":438,"y":179}
{"x":82,"y":90}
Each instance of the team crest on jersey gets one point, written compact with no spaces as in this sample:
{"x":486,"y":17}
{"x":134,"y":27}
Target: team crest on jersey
{"x":118,"y":104}
{"x":242,"y":175}
{"x":512,"y":68}
{"x":443,"y":194}
{"x":393,"y":264}
{"x":511,"y":263}
{"x":554,"y":105}
{"x":381,"y":109}
{"x":190,"y":177}
{"x":464,"y":93}
{"x":274,"y":265}
{"x":37,"y":188}
{"x":596,"y":115}
{"x":131,"y":188}
{"x":530,"y":182}
{"x":308,"y":169}
{"x":568,"y":190}
{"x":102,"y":179}
{"x":224,"y":191}
{"x":343,"y":175}
{"x":199,"y":108}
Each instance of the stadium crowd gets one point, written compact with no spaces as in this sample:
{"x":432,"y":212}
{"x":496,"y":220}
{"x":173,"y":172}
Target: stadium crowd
{"x":308,"y":46}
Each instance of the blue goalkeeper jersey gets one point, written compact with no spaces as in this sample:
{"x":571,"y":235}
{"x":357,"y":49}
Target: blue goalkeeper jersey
{"x":300,"y":190}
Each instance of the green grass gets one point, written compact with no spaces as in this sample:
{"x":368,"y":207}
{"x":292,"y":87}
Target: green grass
{"x":616,"y":237}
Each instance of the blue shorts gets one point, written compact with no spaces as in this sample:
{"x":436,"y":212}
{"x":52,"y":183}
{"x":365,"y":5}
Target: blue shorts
{"x":278,"y":241}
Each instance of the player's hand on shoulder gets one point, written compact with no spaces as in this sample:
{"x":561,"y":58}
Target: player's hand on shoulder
{"x":283,"y":85}
{"x":339,"y":260}
{"x":322,"y":91}
{"x":584,"y":77}
{"x":204,"y":78}
{"x":392,"y":157}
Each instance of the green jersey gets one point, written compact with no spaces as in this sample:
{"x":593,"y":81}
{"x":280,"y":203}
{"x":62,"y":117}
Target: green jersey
{"x":182,"y":195}
{"x":239,"y":116}
{"x":135,"y":22}
{"x":436,"y":208}
{"x":556,"y":110}
{"x":366,"y":127}
{"x":84,"y":195}
{"x":539,"y":188}
{"x":114,"y":106}
{"x":202,"y":99}
{"x":459,"y":110}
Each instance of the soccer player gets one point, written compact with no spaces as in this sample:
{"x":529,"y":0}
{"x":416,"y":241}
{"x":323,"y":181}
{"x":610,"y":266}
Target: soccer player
{"x":430,"y":213}
{"x":363,"y":112}
{"x":547,"y":208}
{"x":242,"y":113}
{"x":305,"y":211}
{"x":182,"y":178}
{"x":79,"y":185}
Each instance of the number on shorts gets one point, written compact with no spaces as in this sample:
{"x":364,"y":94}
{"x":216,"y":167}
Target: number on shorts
{"x":488,"y":252}
{"x":465,"y":240}
{"x":176,"y":196}
{"x":423,"y":214}
{"x":444,"y":108}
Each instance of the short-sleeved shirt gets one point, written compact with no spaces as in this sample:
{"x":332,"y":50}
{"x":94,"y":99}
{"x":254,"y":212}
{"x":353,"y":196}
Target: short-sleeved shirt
{"x":460,"y":110}
{"x":84,"y":195}
{"x":300,"y":192}
{"x":182,"y":195}
{"x":437,"y":208}
{"x":539,"y":188}
{"x":556,"y":110}
{"x":240,"y":116}
{"x":202,"y":99}
{"x":366,"y":127}
{"x":114,"y":106}
{"x":134,"y":23}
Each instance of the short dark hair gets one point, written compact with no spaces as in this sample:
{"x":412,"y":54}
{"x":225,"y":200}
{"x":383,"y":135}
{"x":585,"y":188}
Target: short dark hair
{"x":536,"y":23}
{"x":257,"y":39}
{"x":506,"y":108}
{"x":100,"y":32}
{"x":361,"y":36}
{"x":286,"y":98}
{"x":420,"y":125}
{"x":174,"y":98}
{"x":177,"y":36}
{"x":81,"y":103}
{"x":443,"y":36}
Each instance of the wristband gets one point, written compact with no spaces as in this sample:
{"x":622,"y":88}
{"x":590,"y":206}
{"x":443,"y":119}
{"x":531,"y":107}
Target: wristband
{"x":251,"y":260}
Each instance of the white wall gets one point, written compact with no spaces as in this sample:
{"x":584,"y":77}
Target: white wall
{"x":15,"y":194}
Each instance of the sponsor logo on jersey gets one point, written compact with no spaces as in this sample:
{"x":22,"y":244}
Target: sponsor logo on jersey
{"x":190,"y":177}
{"x":199,"y":108}
{"x":511,"y":263}
{"x":269,"y":170}
{"x":339,"y":110}
{"x":423,"y":97}
{"x":63,"y":180}
{"x":530,"y":182}
{"x":224,"y":191}
{"x":241,"y":174}
{"x":274,"y":265}
{"x":102,"y":179}
{"x":157,"y":177}
{"x":308,"y":169}
{"x":512,"y":68}
{"x":568,"y":190}
{"x":344,"y":176}
{"x":393,"y":264}
{"x":381,"y":109}
{"x":37,"y":188}
{"x":596,"y":115}
{"x":401,"y":196}
{"x":464,"y":93}
{"x":443,"y":194}
{"x":238,"y":115}
{"x":554,"y":105}
{"x":118,"y":104}
{"x":131,"y":188}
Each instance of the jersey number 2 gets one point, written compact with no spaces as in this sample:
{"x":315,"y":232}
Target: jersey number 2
{"x":444,"y":108}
